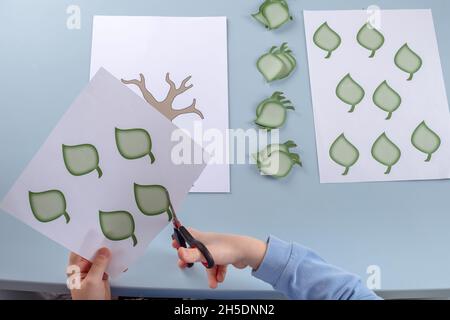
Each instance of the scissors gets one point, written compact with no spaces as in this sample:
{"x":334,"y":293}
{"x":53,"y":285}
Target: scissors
{"x":185,"y":238}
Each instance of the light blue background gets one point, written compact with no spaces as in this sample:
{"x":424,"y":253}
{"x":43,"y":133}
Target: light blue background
{"x":403,"y":227}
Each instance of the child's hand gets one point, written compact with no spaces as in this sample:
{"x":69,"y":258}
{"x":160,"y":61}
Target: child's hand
{"x":239,"y":251}
{"x":94,"y":280}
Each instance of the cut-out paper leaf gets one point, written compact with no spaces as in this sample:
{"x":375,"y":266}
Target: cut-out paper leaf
{"x":327,"y":39}
{"x":272,"y":116}
{"x":153,"y":200}
{"x":370,"y":38}
{"x":270,"y":66}
{"x":134,"y":143}
{"x":277,"y":160}
{"x":48,"y":205}
{"x":117,"y":225}
{"x":81,"y":159}
{"x":350,"y":92}
{"x":273,"y":14}
{"x":277,"y":96}
{"x":278,"y":164}
{"x":277,"y":64}
{"x":271,"y":113}
{"x":408,"y":61}
{"x":344,"y":153}
{"x":286,"y":56}
{"x":387,"y":99}
{"x":260,"y":18}
{"x":265,"y":153}
{"x":425,"y":140}
{"x":386,"y":152}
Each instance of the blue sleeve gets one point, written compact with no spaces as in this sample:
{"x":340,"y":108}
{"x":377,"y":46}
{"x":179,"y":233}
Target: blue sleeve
{"x":300,"y":273}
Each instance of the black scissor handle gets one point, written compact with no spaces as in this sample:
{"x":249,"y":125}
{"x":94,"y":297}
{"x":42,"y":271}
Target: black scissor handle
{"x":180,"y":239}
{"x":184,"y":238}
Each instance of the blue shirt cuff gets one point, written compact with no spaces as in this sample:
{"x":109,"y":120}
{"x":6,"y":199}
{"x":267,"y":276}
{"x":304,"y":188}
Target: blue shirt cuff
{"x":275,"y":261}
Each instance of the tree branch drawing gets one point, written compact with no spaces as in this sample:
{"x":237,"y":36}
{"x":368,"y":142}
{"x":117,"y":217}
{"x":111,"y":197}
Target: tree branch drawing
{"x":166,"y":106}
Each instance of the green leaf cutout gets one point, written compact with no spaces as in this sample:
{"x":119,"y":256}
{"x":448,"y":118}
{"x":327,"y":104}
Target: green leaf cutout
{"x":425,"y":140}
{"x":408,"y":61}
{"x":277,"y":64}
{"x":344,"y":153}
{"x":370,"y":38}
{"x":81,"y":159}
{"x":153,"y":200}
{"x":350,"y":92}
{"x":278,"y":164}
{"x":276,"y":160}
{"x":273,"y":14}
{"x":262,"y":155}
{"x":271,"y":113}
{"x":134,"y":143}
{"x":48,"y":205}
{"x":272,"y":116}
{"x":117,"y":225}
{"x":387,"y":99}
{"x":260,"y":18}
{"x":386,"y":152}
{"x":327,"y":39}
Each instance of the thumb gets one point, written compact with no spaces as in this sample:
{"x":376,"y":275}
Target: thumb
{"x":99,"y":264}
{"x":190,"y":255}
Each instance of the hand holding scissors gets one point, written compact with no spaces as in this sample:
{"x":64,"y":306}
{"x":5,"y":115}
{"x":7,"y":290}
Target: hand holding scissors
{"x":185,"y":239}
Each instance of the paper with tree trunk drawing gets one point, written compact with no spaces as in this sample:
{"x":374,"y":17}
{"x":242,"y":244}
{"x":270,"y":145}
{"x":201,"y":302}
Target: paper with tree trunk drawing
{"x":104,"y":176}
{"x":379,"y":100}
{"x":178,"y":65}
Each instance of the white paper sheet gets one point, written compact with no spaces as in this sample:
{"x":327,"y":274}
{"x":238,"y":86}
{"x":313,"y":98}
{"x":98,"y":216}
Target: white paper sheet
{"x":102,"y":106}
{"x":183,"y":46}
{"x":423,"y":98}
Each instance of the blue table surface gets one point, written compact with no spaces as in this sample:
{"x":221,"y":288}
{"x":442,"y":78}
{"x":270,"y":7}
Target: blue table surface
{"x":403,"y":227}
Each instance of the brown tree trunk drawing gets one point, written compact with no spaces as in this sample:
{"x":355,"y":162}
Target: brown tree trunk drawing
{"x":166,"y":106}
